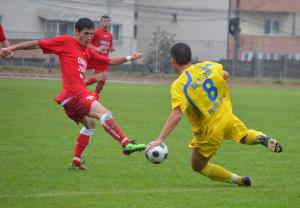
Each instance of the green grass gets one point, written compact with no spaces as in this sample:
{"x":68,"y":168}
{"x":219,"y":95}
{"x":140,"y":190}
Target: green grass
{"x":37,"y":141}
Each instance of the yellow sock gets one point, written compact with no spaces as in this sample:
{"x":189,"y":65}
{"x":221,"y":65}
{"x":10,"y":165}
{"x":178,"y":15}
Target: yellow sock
{"x":217,"y":173}
{"x":251,"y":137}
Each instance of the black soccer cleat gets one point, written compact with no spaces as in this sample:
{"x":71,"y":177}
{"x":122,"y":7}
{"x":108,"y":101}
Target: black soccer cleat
{"x":247,"y":181}
{"x":270,"y":143}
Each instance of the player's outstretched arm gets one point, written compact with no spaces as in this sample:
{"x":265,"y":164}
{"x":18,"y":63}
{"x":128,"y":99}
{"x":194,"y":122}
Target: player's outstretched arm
{"x":121,"y":60}
{"x":28,"y":45}
{"x":170,"y":125}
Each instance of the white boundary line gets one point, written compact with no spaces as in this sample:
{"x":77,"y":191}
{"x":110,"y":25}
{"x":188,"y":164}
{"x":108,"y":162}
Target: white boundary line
{"x":62,"y":194}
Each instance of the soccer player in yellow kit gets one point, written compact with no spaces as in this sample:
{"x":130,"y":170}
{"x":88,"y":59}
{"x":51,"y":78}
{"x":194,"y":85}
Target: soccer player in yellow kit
{"x":202,"y":93}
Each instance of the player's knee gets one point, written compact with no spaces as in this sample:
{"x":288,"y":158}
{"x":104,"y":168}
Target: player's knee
{"x":92,"y":124}
{"x":198,"y":167}
{"x":104,"y":117}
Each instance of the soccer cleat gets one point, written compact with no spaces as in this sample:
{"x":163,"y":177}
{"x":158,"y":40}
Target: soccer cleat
{"x":270,"y":143}
{"x":246,"y":180}
{"x":133,"y":146}
{"x":72,"y":166}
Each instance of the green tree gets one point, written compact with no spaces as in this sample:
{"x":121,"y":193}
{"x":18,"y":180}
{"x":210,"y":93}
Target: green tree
{"x":158,"y":55}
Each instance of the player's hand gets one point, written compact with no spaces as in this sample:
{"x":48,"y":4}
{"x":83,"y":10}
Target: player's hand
{"x":135,"y":56}
{"x":6,"y":52}
{"x":154,"y":144}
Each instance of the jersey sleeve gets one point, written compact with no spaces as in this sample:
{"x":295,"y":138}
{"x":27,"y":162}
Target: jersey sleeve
{"x":95,"y":59}
{"x":218,"y":68}
{"x":2,"y":35}
{"x":177,"y":97}
{"x":55,"y":45}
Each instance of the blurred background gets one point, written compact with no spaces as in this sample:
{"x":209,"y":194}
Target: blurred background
{"x":257,"y":38}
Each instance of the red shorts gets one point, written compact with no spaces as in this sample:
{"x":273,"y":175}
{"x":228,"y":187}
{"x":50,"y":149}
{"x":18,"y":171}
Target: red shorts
{"x":79,"y":106}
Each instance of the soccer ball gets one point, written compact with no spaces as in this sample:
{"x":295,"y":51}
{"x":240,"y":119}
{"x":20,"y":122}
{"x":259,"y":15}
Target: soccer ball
{"x":157,"y":154}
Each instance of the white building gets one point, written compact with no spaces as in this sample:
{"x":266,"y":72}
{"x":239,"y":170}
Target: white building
{"x":203,"y":24}
{"x":41,"y":19}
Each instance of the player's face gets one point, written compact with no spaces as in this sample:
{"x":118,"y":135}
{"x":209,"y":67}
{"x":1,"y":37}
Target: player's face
{"x":85,"y":35}
{"x":105,"y":22}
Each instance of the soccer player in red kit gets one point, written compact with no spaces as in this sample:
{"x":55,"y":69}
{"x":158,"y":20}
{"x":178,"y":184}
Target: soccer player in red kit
{"x":102,"y":42}
{"x":80,"y":104}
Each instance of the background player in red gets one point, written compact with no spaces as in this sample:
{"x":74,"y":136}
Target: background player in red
{"x":102,"y":42}
{"x":80,"y":104}
{"x":4,"y":42}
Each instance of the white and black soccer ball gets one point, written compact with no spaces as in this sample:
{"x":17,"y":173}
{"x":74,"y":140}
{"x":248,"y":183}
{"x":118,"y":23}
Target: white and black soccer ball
{"x":157,"y":154}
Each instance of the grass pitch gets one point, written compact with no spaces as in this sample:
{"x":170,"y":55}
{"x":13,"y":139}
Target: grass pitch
{"x":37,"y":141}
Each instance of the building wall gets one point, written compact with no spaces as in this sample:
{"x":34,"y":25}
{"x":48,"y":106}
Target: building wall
{"x":253,"y":39}
{"x":252,"y":23}
{"x":20,"y":18}
{"x":202,"y":24}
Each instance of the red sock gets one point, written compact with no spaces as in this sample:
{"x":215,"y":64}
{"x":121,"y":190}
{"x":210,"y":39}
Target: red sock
{"x":83,"y":139}
{"x":90,"y":81}
{"x":99,"y":86}
{"x":114,"y":130}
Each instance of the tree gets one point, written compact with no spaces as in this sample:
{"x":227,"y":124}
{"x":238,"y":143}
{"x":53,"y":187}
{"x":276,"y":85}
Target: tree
{"x":158,"y":55}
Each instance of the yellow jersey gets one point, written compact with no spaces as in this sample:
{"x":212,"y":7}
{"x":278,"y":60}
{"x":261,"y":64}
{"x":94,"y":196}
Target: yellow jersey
{"x":202,"y":93}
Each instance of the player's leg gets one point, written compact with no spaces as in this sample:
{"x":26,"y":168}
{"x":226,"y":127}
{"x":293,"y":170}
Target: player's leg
{"x":256,"y":137}
{"x":215,"y":172}
{"x":101,"y":82}
{"x":110,"y":126}
{"x":237,"y":130}
{"x":83,"y":139}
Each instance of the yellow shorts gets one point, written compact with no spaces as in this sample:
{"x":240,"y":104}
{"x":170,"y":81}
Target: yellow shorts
{"x":208,"y":145}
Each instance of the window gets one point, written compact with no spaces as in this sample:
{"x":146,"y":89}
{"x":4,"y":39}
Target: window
{"x":116,"y":32}
{"x":136,"y":15}
{"x":247,"y":56}
{"x":0,"y":18}
{"x":271,"y":27}
{"x":174,"y":18}
{"x":55,"y":27}
{"x":266,"y":56}
{"x":292,"y":56}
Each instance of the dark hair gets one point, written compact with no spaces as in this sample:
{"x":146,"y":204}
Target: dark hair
{"x":182,"y":53}
{"x":105,"y":17}
{"x":83,"y":23}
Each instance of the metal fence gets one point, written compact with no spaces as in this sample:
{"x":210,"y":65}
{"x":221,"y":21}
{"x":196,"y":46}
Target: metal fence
{"x":156,"y":59}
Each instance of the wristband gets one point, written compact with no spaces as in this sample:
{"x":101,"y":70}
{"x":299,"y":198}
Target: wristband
{"x":128,"y":58}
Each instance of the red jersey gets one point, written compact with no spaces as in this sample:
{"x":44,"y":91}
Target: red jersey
{"x":74,"y":60}
{"x":104,"y":40}
{"x":2,"y":36}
